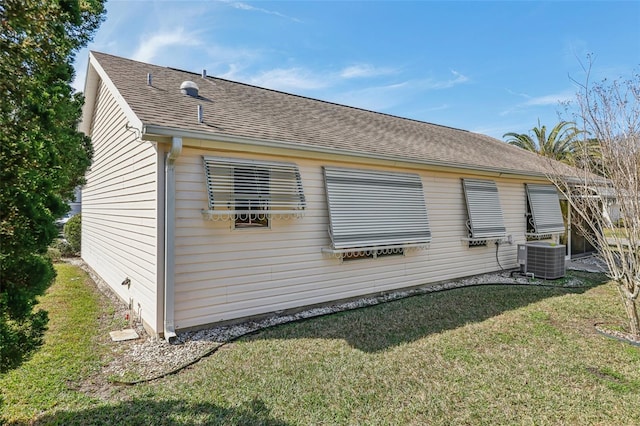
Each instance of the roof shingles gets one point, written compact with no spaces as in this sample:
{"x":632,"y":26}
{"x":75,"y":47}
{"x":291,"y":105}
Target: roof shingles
{"x":241,"y":110}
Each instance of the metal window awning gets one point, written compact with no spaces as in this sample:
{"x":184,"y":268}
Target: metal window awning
{"x":375,"y":209}
{"x":544,"y":205}
{"x":241,"y":186}
{"x":485,"y":219}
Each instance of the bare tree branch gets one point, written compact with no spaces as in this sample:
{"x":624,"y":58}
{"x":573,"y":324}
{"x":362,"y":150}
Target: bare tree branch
{"x":609,"y":208}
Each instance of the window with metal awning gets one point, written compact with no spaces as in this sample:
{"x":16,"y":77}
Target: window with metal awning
{"x":484,"y":211}
{"x":375,"y":211}
{"x":252,"y":191}
{"x":543,"y":210}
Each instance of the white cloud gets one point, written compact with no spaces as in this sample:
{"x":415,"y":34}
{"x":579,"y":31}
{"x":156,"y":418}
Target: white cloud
{"x":446,"y":84}
{"x":151,"y":46}
{"x":245,"y":6}
{"x":364,"y":70}
{"x":522,"y":95}
{"x":553,"y":99}
{"x":375,"y":98}
{"x":289,"y":80}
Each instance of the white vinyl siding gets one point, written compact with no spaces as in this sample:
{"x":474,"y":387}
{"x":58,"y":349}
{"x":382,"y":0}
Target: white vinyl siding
{"x":485,"y":219}
{"x":119,"y":213}
{"x":225,"y":274}
{"x":373,"y":209}
{"x":544,"y":212}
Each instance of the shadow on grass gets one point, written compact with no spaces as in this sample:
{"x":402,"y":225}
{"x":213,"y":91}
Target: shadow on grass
{"x":170,"y":412}
{"x":383,"y":326}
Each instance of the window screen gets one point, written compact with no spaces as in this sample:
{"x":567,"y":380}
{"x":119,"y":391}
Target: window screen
{"x":375,"y":209}
{"x":484,"y":211}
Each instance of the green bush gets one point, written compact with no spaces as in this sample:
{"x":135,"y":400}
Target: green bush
{"x":21,"y":329}
{"x":73,"y":232}
{"x":54,"y":254}
{"x":63,"y":247}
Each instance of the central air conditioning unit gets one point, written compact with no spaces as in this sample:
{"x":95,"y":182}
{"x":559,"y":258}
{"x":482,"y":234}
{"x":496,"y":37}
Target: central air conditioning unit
{"x":543,"y":260}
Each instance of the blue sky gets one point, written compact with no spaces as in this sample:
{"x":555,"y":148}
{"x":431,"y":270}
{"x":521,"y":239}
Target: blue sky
{"x":487,"y":67}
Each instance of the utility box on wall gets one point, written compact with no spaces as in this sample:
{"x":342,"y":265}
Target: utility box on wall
{"x":543,"y":260}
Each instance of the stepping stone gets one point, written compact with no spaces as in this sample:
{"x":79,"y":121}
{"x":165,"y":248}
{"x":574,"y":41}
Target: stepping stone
{"x":122,"y":335}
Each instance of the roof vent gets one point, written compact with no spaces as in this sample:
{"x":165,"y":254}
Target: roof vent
{"x":189,"y":88}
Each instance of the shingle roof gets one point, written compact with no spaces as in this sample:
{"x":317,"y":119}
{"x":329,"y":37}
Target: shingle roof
{"x":241,"y":110}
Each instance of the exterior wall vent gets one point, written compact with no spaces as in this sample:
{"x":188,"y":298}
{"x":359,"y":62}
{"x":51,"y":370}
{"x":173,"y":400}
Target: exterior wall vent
{"x":543,"y":260}
{"x":189,"y":88}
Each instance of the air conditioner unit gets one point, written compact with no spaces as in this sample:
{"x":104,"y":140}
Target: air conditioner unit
{"x":543,"y":260}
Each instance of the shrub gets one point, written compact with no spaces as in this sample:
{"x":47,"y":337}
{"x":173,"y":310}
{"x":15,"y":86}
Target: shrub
{"x":21,"y":330}
{"x":63,"y":247}
{"x":73,"y":231}
{"x":54,"y":254}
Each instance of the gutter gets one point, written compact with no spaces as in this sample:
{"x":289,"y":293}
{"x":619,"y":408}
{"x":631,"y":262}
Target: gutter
{"x":151,"y":129}
{"x":169,"y":236}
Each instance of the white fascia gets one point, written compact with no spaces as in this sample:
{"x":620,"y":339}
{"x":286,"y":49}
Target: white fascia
{"x":153,"y":130}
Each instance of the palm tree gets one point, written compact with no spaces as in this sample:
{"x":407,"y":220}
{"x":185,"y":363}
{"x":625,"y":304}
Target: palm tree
{"x":559,"y":145}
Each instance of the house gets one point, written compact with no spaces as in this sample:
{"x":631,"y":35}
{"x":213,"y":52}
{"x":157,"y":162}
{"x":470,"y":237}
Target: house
{"x":210,"y":200}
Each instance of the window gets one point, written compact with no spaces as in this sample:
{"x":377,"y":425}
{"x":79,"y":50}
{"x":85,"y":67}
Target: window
{"x":251,"y":192}
{"x":485,"y":220}
{"x":544,"y":216}
{"x":251,"y":196}
{"x":375,"y":213}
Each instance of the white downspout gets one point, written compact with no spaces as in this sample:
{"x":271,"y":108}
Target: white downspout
{"x":169,"y":236}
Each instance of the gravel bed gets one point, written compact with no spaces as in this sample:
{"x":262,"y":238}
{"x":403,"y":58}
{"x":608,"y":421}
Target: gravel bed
{"x":148,"y":357}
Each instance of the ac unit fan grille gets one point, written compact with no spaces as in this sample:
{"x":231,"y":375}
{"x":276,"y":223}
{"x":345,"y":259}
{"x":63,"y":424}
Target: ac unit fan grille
{"x":544,"y":260}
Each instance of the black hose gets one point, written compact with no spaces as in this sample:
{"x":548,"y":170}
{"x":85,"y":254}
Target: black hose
{"x":498,"y":260}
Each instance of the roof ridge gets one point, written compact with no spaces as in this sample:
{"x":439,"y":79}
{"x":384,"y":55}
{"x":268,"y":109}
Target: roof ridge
{"x":262,"y":114}
{"x":293,"y":94}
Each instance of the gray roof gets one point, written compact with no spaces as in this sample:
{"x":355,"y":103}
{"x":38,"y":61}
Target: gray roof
{"x":241,"y":110}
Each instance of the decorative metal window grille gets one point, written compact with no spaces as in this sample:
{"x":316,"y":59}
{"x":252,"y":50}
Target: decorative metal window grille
{"x":543,"y":210}
{"x":251,"y":195}
{"x":252,"y":191}
{"x":485,"y":220}
{"x":371,"y":211}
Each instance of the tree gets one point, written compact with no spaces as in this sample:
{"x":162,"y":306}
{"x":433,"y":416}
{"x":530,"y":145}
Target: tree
{"x":610,"y":112}
{"x":42,"y":155}
{"x":559,"y":145}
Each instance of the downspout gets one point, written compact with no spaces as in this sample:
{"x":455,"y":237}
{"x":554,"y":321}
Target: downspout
{"x":169,"y":236}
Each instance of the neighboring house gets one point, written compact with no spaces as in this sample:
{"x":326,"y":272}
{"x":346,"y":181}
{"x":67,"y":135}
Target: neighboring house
{"x":210,"y":200}
{"x":75,"y":205}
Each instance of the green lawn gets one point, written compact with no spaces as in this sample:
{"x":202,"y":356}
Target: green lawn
{"x":479,"y":355}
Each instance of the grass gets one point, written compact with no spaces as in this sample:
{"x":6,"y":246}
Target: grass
{"x":47,"y":381}
{"x":479,"y":355}
{"x":615,"y":232}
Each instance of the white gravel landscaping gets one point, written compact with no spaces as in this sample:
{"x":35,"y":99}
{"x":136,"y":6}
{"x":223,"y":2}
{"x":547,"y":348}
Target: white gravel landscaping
{"x":149,"y":357}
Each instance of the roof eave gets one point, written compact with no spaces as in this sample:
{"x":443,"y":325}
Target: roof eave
{"x":149,"y":130}
{"x":95,"y":75}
